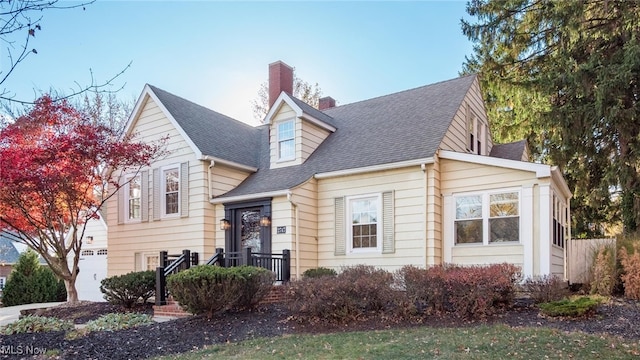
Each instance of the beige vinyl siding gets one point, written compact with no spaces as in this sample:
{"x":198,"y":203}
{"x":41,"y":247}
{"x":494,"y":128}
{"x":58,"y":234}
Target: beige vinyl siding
{"x":311,"y":137}
{"x":224,"y":179}
{"x":489,"y":254}
{"x":455,"y":139}
{"x":557,"y":261}
{"x":306,"y":198}
{"x":462,"y":177}
{"x":285,"y":113}
{"x":194,"y":232}
{"x":408,"y":186}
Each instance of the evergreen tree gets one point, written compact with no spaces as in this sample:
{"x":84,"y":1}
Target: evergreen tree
{"x":565,"y":75}
{"x":30,"y":282}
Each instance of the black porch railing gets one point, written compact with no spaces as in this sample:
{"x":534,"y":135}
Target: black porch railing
{"x":171,"y":264}
{"x":280,"y":264}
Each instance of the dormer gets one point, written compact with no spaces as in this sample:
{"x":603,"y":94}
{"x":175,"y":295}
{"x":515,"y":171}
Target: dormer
{"x":296,"y":129}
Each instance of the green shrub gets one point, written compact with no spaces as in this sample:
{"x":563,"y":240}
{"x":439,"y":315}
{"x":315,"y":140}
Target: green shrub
{"x":119,"y":321}
{"x":259,"y":282}
{"x":30,"y":282}
{"x":355,"y":292}
{"x":32,"y":324}
{"x":582,"y":306}
{"x":546,"y":288}
{"x":318,"y":272}
{"x":129,"y":289}
{"x":206,"y":289}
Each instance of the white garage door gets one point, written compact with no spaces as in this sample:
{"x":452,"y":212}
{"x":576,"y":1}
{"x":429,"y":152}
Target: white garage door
{"x":93,"y":268}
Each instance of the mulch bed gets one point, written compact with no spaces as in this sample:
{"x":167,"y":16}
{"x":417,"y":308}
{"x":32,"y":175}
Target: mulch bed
{"x":617,"y":318}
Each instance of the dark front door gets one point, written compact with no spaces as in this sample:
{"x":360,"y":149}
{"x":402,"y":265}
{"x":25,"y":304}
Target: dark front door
{"x":246,"y":229}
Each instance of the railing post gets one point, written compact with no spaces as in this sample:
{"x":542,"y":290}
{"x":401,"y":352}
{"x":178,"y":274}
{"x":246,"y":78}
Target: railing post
{"x":195,"y":259}
{"x":161,"y":292}
{"x":220,"y":252}
{"x":186,"y":256}
{"x":286,"y":265}
{"x":164,"y":259}
{"x":247,"y":256}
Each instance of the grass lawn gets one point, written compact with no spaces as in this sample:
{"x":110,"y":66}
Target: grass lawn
{"x":481,"y":342}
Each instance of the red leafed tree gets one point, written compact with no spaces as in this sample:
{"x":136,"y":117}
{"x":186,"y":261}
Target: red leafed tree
{"x":54,"y":171}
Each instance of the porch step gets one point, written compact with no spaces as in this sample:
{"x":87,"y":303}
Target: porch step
{"x":172,"y":309}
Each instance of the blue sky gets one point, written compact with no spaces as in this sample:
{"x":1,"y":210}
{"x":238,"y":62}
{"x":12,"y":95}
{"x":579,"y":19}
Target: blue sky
{"x":217,"y":53}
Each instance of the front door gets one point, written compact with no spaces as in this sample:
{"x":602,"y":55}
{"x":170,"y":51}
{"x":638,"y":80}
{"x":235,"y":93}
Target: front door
{"x":247,"y":230}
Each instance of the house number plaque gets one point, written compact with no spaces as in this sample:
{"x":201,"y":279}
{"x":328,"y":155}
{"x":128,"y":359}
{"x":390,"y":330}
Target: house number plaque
{"x":281,"y":230}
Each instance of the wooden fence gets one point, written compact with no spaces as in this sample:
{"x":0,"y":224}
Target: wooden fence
{"x":580,"y":253}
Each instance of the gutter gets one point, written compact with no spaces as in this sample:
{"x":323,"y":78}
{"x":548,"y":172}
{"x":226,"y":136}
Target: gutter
{"x":228,"y":199}
{"x":374,"y":168}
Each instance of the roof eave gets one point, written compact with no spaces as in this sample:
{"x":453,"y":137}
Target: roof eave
{"x":229,"y":163}
{"x":375,"y":168}
{"x":285,"y":98}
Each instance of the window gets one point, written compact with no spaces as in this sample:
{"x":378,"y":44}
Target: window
{"x":87,"y":253}
{"x":3,"y":280}
{"x":560,"y":221}
{"x":286,"y":140}
{"x":487,"y":218}
{"x":504,"y":219}
{"x":151,"y":262}
{"x":469,"y":219}
{"x":102,"y":252}
{"x":471,"y":130}
{"x":133,"y":194}
{"x":364,"y":232}
{"x":171,"y":191}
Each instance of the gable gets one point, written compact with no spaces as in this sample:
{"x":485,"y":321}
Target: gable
{"x":471,"y":110}
{"x":152,"y":124}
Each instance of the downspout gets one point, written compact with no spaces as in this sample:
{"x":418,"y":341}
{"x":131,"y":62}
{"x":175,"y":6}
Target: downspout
{"x":209,"y":176}
{"x":297,"y":238}
{"x":423,"y":167}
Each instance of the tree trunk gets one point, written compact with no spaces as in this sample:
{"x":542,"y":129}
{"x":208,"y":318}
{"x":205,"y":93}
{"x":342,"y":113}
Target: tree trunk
{"x":72,"y":293}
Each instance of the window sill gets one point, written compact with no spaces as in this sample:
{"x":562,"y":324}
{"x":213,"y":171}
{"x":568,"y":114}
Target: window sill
{"x":504,"y":243}
{"x":365,"y":251}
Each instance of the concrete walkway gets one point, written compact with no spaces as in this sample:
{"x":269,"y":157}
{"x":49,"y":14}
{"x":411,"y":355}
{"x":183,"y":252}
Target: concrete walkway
{"x":10,"y":314}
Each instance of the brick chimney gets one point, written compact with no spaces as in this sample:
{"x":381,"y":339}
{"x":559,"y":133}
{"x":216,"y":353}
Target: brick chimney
{"x":326,"y":102}
{"x":280,"y":79}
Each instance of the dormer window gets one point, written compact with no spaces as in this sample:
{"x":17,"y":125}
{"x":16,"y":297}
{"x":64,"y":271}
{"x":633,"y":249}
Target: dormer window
{"x":286,"y":140}
{"x":476,"y":134}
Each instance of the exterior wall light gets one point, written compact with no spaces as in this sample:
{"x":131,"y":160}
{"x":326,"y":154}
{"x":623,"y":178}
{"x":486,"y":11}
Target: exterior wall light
{"x":265,"y":221}
{"x":225,"y":224}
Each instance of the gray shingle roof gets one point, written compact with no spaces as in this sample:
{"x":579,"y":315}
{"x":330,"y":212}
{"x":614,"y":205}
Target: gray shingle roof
{"x":213,"y":133}
{"x":8,"y":252}
{"x":313,"y":111}
{"x":403,"y":126}
{"x":509,"y":151}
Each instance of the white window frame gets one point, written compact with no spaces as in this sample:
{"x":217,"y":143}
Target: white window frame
{"x":486,"y":205}
{"x":377,"y":197}
{"x":281,"y":140}
{"x":3,"y":282}
{"x":126,"y":189}
{"x":145,"y":260}
{"x":163,"y":190}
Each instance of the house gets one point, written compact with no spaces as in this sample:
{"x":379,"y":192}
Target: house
{"x":93,"y":260}
{"x":408,"y":178}
{"x":9,"y":255}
